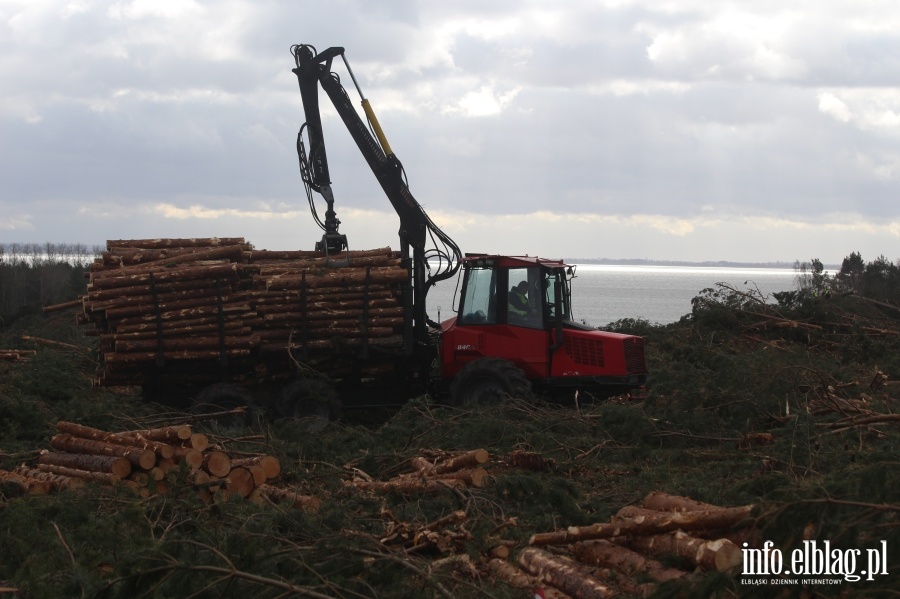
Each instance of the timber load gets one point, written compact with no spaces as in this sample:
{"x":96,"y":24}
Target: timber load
{"x":187,"y":310}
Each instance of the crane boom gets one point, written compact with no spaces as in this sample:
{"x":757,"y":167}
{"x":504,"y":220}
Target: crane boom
{"x":313,"y":70}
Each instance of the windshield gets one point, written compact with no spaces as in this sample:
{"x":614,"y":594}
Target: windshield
{"x":556,"y":281}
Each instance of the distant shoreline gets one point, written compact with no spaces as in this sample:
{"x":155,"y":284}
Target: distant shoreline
{"x":708,"y":263}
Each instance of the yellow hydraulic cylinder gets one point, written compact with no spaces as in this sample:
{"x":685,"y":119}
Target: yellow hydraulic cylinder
{"x":370,"y":114}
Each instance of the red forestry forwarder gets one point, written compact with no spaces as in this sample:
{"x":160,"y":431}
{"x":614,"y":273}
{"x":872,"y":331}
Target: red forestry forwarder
{"x":278,"y":343}
{"x":513,"y":333}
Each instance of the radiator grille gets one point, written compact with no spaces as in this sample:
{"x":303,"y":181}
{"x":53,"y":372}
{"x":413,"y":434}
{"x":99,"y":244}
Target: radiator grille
{"x":584,"y":351}
{"x":634,"y":356}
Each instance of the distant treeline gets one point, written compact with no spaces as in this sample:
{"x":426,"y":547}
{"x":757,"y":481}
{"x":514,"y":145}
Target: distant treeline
{"x":33,"y":275}
{"x":878,"y":279}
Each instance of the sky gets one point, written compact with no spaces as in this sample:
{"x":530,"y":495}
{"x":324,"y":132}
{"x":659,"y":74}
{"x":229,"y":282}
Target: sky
{"x":691,"y":130}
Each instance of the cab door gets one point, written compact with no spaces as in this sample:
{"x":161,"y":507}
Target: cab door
{"x":489,"y":325}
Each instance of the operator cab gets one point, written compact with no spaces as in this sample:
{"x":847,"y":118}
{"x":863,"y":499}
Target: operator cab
{"x":517,"y":291}
{"x":516,"y":311}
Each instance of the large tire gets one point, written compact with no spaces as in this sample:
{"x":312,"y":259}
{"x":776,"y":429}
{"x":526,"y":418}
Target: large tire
{"x":222,"y":397}
{"x":315,"y":400}
{"x":488,"y":381}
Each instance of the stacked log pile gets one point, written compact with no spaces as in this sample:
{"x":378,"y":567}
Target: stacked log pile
{"x":16,"y":355}
{"x":151,"y":462}
{"x":606,"y":559}
{"x":192,"y":304}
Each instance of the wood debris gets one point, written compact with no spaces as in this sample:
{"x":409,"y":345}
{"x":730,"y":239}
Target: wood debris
{"x":16,"y":355}
{"x":607,"y":559}
{"x":451,"y":472}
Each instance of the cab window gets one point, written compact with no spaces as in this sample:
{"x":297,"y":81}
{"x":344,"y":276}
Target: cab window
{"x":479,"y":305}
{"x":552,"y":280}
{"x":524,"y":298}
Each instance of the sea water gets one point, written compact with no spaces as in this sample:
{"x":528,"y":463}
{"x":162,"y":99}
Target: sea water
{"x":659,"y":294}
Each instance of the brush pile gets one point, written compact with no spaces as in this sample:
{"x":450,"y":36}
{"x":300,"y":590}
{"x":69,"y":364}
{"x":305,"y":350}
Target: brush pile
{"x":185,"y":308}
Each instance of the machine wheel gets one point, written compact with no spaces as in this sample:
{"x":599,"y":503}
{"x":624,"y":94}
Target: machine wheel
{"x":221,"y":397}
{"x":488,"y":381}
{"x":312,"y":399}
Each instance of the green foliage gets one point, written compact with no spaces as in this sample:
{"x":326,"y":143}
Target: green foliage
{"x":632,"y":326}
{"x":36,"y":275}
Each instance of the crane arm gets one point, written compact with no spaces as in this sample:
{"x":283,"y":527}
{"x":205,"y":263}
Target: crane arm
{"x":416,"y":227}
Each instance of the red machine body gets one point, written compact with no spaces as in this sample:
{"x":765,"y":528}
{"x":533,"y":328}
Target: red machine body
{"x":552,"y":350}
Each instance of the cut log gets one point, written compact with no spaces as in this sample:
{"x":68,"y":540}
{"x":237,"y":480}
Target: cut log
{"x":258,"y":473}
{"x":58,"y":482}
{"x":138,"y":456}
{"x":232,"y":309}
{"x":114,"y":245}
{"x":420,"y":464}
{"x":632,"y":511}
{"x":270,"y":464}
{"x":62,"y":306}
{"x":718,"y":554}
{"x":137,"y":357}
{"x":217,"y":463}
{"x":292,"y":498}
{"x":184,"y":273}
{"x":569,"y":576}
{"x":515,"y":577}
{"x":100,"y":477}
{"x":664,"y":502}
{"x":23,"y":484}
{"x":130,"y":439}
{"x":189,"y":456}
{"x":198,"y":478}
{"x":141,"y":478}
{"x":119,"y":466}
{"x":16,"y":355}
{"x":187,"y":343}
{"x":529,"y":460}
{"x":610,"y":555}
{"x":167,"y":464}
{"x":52,"y":343}
{"x":233,"y":252}
{"x":470,"y":459}
{"x":281,"y":255}
{"x":199,"y":441}
{"x":99,"y":295}
{"x":409,"y":486}
{"x":239,"y":482}
{"x":338,"y":278}
{"x":663,"y":522}
{"x":169,"y":434}
{"x":475,"y":477}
